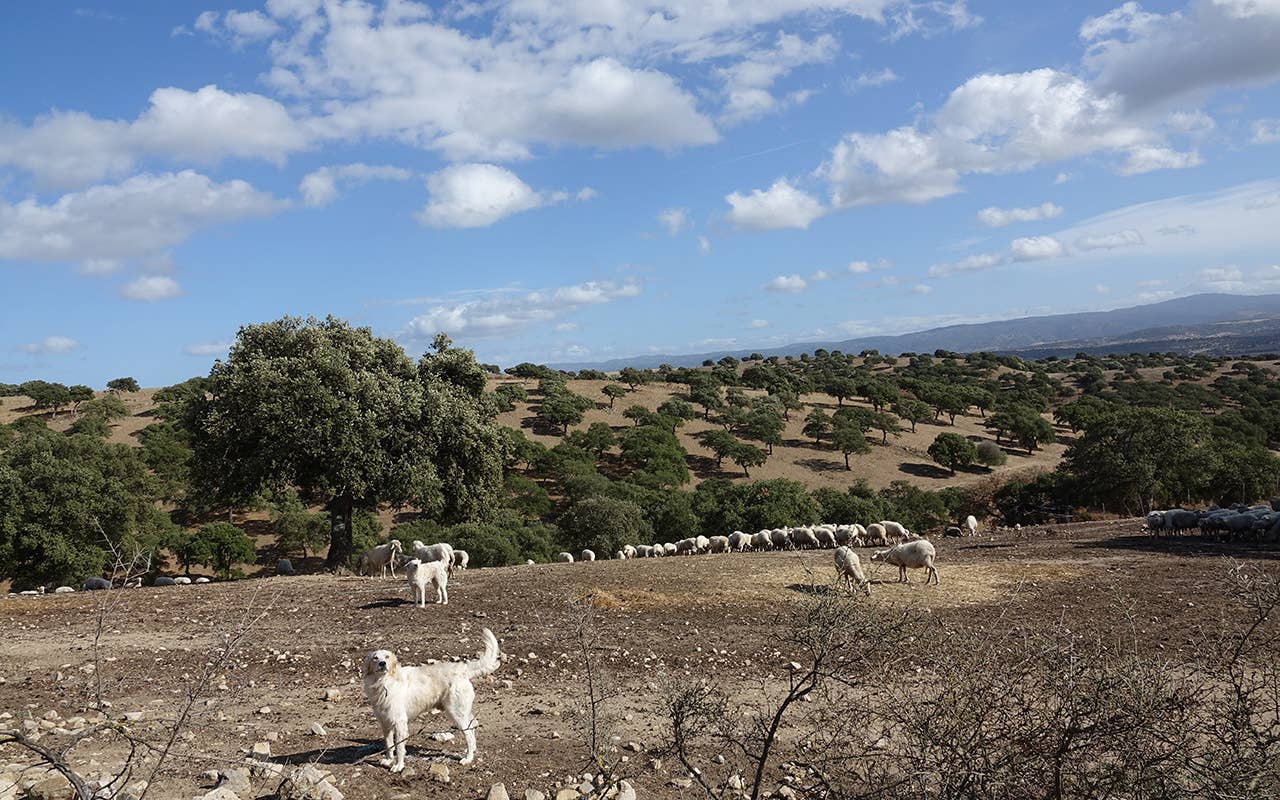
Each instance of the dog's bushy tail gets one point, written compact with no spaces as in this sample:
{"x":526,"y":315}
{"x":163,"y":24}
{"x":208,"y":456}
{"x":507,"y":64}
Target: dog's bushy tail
{"x":487,"y":662}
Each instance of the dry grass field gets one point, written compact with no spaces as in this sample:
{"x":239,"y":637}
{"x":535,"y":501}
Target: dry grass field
{"x":655,"y":624}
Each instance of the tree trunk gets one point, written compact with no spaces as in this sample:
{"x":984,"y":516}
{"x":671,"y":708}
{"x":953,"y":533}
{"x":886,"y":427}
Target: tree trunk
{"x":846,"y":462}
{"x":340,"y":509}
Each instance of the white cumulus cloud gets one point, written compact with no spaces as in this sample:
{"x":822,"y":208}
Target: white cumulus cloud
{"x":321,"y":187}
{"x":674,"y":219}
{"x":1035,"y":248}
{"x":207,"y":348}
{"x":478,"y":195}
{"x":151,"y":288}
{"x":786,"y":283}
{"x":1000,"y":217}
{"x":51,"y":345}
{"x":780,"y":206}
{"x":505,"y":313}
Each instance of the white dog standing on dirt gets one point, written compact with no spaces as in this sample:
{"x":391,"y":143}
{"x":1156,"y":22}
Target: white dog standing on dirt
{"x":422,"y":574}
{"x":399,"y":695}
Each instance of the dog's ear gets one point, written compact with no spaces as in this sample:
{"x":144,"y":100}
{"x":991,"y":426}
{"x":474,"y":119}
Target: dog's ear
{"x":368,"y":663}
{"x":393,"y":664}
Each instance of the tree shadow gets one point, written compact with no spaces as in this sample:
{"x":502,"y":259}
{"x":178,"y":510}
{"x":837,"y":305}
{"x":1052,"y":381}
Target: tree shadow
{"x":821,"y":465}
{"x":924,"y":470}
{"x":703,"y":466}
{"x":1197,"y":546}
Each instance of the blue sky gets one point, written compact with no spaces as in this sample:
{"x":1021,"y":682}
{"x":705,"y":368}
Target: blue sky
{"x":567,"y":181}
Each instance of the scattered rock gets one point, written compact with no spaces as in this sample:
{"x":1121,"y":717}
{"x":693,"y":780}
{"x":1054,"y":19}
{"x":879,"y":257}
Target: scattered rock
{"x":442,"y":736}
{"x":497,"y":791}
{"x":318,"y":730}
{"x":133,"y":791}
{"x":272,"y":736}
{"x":237,"y":780}
{"x":55,"y":788}
{"x":262,"y":749}
{"x":625,"y":791}
{"x":332,"y":695}
{"x":265,"y":710}
{"x":736,"y":782}
{"x":132,"y":716}
{"x":680,"y":783}
{"x":567,"y":794}
{"x":439,"y":773}
{"x":585,"y":788}
{"x":308,"y":783}
{"x":634,"y":747}
{"x":209,"y":777}
{"x":534,"y":794}
{"x":221,"y":793}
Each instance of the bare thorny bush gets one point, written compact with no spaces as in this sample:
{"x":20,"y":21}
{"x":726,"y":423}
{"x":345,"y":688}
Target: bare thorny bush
{"x":598,"y":718}
{"x":885,"y":704}
{"x":142,"y":756}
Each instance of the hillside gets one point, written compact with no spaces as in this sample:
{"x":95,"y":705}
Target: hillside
{"x":1194,"y":324}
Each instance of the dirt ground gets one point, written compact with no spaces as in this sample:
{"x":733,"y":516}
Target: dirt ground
{"x":656,"y":623}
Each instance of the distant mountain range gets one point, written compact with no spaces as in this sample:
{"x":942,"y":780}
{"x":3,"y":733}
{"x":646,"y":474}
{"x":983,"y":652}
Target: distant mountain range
{"x":1213,"y":324}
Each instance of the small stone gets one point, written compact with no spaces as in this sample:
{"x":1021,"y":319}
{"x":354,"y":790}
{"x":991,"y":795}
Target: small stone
{"x":786,"y":792}
{"x":634,"y":747}
{"x":534,"y":794}
{"x":318,"y":730}
{"x":209,"y":777}
{"x":55,"y":788}
{"x":439,"y":773}
{"x":556,"y":734}
{"x":132,"y":716}
{"x":308,"y":783}
{"x":655,"y":764}
{"x":332,"y":695}
{"x":497,"y":791}
{"x":51,"y":714}
{"x":272,"y":736}
{"x":220,"y":793}
{"x":625,"y":791}
{"x":585,"y":788}
{"x":442,"y":736}
{"x":262,"y":749}
{"x":237,"y":780}
{"x":567,"y":794}
{"x":265,"y":710}
{"x":680,"y":783}
{"x":719,"y":759}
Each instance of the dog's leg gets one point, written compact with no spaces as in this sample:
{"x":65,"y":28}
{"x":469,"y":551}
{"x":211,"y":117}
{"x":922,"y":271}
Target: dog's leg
{"x":389,"y":745}
{"x":401,"y":734}
{"x":458,"y":706}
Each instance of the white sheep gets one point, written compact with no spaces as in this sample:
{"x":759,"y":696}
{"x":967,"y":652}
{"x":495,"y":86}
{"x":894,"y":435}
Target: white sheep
{"x":383,"y":557}
{"x":803,"y":538}
{"x":739,"y":541}
{"x":761,"y":541}
{"x":718,"y":544}
{"x":658,"y":550}
{"x":564,"y":558}
{"x":849,"y":570}
{"x":779,"y":539}
{"x":644,"y":551}
{"x":669,"y":548}
{"x":461,"y":558}
{"x":843,"y":534}
{"x":687,"y":547}
{"x":702,"y":542}
{"x":422,"y":574}
{"x":971,"y":525}
{"x":895,"y":531}
{"x":910,"y":555}
{"x":826,"y":537}
{"x":876,"y":536}
{"x":629,"y":551}
{"x":590,"y":555}
{"x":440,"y":551}
{"x":182,"y":580}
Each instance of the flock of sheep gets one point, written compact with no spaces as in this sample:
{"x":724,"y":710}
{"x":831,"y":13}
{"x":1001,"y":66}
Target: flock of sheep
{"x":432,"y":565}
{"x":1259,"y":523}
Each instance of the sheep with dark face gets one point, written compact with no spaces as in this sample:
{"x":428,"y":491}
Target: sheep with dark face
{"x":918,"y":554}
{"x":718,"y":544}
{"x":739,"y":541}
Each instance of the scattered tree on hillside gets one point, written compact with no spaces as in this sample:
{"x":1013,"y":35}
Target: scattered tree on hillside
{"x":991,"y":455}
{"x":614,"y":392}
{"x":349,"y":421}
{"x":817,"y":424}
{"x":886,"y":423}
{"x":748,"y":456}
{"x":641,"y":415}
{"x":722,"y":443}
{"x":764,"y":424}
{"x":632,"y":377}
{"x":952,"y":450}
{"x":221,"y":545}
{"x":676,"y":411}
{"x":562,"y":408}
{"x":840,"y":387}
{"x":849,"y":439}
{"x":119,"y":385}
{"x":596,"y":439}
{"x":913,"y":411}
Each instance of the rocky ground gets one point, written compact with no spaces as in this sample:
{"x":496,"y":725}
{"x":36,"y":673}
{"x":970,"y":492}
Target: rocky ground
{"x":288,"y":695}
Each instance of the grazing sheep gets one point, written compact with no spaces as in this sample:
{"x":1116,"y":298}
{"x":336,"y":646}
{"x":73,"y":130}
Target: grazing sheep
{"x":643,"y":551}
{"x":629,"y":551}
{"x":971,"y":525}
{"x":687,"y":547}
{"x":590,"y":555}
{"x":826,"y":537}
{"x":779,"y":539}
{"x":200,"y":580}
{"x":381,"y":557}
{"x":95,"y":584}
{"x":422,"y":574}
{"x":718,"y":544}
{"x":844,"y":534}
{"x":953,"y":532}
{"x":739,"y":541}
{"x":703,"y":543}
{"x":876,"y":535}
{"x":461,"y":559}
{"x":804,"y":538}
{"x":440,"y":551}
{"x":63,"y":590}
{"x":761,"y":541}
{"x":182,"y":580}
{"x":564,"y":558}
{"x":669,"y":549}
{"x":896,"y":532}
{"x":910,"y":555}
{"x":164,"y":580}
{"x":284,"y":567}
{"x":658,"y":551}
{"x":529,"y":562}
{"x":849,"y":570}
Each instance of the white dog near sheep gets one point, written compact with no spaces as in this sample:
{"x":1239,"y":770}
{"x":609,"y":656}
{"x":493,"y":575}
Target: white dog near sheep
{"x":422,"y":574}
{"x":918,"y":554}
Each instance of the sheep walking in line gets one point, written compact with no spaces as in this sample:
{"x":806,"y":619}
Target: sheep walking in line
{"x":461,"y":558}
{"x":849,"y":569}
{"x":971,"y":525}
{"x":564,"y":558}
{"x":588,"y":555}
{"x":422,"y":574}
{"x":383,"y":557}
{"x":918,"y":554}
